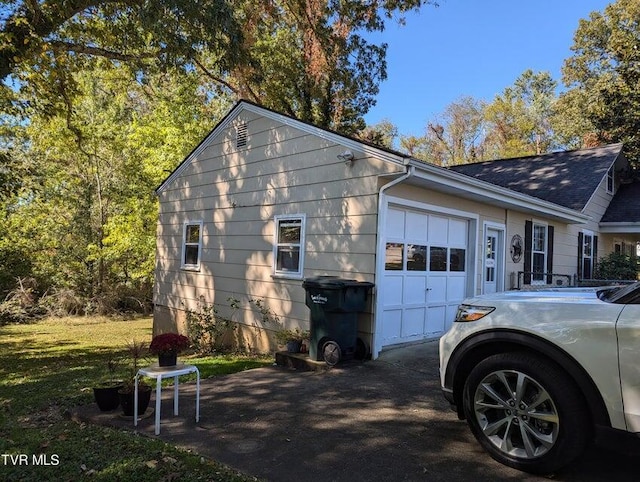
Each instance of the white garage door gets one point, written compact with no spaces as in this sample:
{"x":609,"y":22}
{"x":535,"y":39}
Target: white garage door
{"x":425,"y":274}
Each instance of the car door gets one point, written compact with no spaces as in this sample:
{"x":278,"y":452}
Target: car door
{"x":628,"y":329}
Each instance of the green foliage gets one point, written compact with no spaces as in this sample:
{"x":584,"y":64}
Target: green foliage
{"x":617,"y":266}
{"x":207,"y":329}
{"x":604,"y":78}
{"x":286,"y":335}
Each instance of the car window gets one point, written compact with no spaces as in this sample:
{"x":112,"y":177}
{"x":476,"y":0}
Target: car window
{"x":625,"y":295}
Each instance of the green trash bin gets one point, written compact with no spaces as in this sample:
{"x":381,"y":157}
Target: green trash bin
{"x":335,"y":303}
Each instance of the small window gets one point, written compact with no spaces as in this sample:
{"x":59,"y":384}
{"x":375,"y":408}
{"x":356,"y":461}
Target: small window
{"x":611,"y":180}
{"x":289,"y":245}
{"x":394,"y":257}
{"x":192,"y":244}
{"x":241,"y":135}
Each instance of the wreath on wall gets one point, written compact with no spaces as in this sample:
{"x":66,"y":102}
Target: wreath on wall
{"x":516,"y":248}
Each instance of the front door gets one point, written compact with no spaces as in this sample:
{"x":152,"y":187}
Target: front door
{"x":493,"y":256}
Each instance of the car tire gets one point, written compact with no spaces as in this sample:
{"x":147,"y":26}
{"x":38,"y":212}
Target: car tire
{"x":526,"y":412}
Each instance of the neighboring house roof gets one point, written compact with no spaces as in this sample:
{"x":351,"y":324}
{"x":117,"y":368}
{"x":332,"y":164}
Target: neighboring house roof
{"x":624,"y":207}
{"x":567,"y":178}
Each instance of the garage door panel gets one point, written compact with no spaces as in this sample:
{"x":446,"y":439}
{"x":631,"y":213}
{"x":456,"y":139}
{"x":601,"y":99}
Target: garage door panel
{"x":456,"y":288}
{"x":392,"y":292}
{"x":438,"y":230}
{"x":457,"y":232}
{"x":437,"y":285}
{"x":413,"y":322}
{"x":391,"y":326}
{"x":435,"y":320}
{"x":395,"y":222}
{"x":416,"y":227}
{"x":415,"y":288}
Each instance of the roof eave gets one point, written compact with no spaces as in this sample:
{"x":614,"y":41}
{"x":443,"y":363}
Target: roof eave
{"x":620,"y":227}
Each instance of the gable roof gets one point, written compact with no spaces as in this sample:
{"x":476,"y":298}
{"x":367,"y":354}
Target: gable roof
{"x":567,"y":178}
{"x":245,"y":105}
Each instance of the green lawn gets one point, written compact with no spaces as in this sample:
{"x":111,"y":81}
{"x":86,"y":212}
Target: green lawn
{"x":49,"y":367}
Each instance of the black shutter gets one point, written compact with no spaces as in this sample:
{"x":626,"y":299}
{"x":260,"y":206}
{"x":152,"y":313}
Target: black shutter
{"x":580,"y":251}
{"x":549,"y":254}
{"x":528,"y":244}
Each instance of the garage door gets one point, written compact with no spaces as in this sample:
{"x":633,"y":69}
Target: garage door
{"x":425,"y":274}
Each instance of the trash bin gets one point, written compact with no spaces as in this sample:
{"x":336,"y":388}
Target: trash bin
{"x":335,"y":303}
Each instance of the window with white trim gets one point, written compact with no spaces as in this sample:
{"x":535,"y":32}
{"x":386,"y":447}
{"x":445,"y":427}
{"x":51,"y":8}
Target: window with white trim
{"x":192,"y":244}
{"x":539,"y":252}
{"x":288,"y":249}
{"x":611,"y":180}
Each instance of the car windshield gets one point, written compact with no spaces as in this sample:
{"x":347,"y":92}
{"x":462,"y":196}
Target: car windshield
{"x":623,"y":295}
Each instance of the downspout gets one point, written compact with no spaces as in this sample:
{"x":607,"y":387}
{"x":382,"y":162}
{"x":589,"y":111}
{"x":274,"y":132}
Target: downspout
{"x":376,"y":343}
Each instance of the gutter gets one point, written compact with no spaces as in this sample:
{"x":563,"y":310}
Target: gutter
{"x":410,"y":172}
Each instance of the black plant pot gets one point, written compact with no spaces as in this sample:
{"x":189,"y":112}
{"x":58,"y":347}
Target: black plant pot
{"x":169,"y":359}
{"x":127,"y":397}
{"x":107,"y":397}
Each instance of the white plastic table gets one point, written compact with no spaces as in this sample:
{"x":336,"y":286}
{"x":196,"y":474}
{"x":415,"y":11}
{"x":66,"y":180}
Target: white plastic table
{"x":158,"y":372}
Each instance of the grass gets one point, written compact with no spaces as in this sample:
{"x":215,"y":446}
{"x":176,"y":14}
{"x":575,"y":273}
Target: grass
{"x":49,"y":367}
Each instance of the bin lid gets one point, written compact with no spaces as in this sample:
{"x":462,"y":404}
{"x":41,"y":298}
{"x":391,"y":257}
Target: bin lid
{"x":334,"y":283}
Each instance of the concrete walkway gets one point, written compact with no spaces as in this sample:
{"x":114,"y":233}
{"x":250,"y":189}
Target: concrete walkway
{"x":382,"y":420}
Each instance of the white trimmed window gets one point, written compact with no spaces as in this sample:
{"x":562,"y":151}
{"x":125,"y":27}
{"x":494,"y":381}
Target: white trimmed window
{"x":192,"y":245}
{"x":288,"y":249}
{"x":539,"y":252}
{"x":587,"y":254}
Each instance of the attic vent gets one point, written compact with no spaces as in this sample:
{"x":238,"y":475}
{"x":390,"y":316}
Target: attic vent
{"x":241,"y":135}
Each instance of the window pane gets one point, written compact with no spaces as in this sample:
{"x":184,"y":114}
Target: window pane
{"x":191,"y":255}
{"x":586,"y":268}
{"x":193,"y":233}
{"x":437,"y":259}
{"x":538,"y":266}
{"x":587,"y":245}
{"x":539,"y":238}
{"x":394,"y":257}
{"x":289,"y":231}
{"x":288,"y":258}
{"x":416,"y":257}
{"x":456,"y":259}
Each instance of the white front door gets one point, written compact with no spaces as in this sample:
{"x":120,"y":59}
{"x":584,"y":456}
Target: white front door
{"x":425,"y":274}
{"x":493,"y":266}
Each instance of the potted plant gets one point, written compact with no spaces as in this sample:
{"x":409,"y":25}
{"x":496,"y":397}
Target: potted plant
{"x":292,"y":339}
{"x":137,"y":350}
{"x":105,"y":393}
{"x":167,"y":346}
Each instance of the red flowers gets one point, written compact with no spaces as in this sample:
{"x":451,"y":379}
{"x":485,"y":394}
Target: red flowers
{"x":168,"y":342}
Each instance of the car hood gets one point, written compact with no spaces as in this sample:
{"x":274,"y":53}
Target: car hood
{"x":558,"y":295}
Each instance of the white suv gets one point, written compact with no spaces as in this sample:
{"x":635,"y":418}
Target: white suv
{"x":535,"y":373}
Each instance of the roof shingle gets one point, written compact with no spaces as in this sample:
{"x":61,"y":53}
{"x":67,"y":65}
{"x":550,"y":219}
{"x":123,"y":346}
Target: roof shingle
{"x":567,"y":178}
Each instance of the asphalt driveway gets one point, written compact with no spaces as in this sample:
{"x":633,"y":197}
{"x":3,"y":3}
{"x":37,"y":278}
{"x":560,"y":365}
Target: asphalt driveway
{"x":382,"y":420}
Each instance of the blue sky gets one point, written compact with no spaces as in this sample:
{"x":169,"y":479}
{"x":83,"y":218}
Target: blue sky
{"x":471,"y":48}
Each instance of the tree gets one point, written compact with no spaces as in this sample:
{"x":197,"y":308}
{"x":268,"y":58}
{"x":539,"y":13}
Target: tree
{"x":519,"y":119}
{"x":384,"y":133}
{"x":86,"y":215}
{"x":307,"y":58}
{"x":604,"y":78}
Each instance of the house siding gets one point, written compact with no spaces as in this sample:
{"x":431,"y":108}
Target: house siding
{"x":236,"y":193}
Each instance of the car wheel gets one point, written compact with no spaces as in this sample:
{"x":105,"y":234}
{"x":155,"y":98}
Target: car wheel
{"x":526,"y":412}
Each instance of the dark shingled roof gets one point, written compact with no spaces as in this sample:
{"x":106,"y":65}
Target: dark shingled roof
{"x":625,"y":205}
{"x":567,"y":178}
